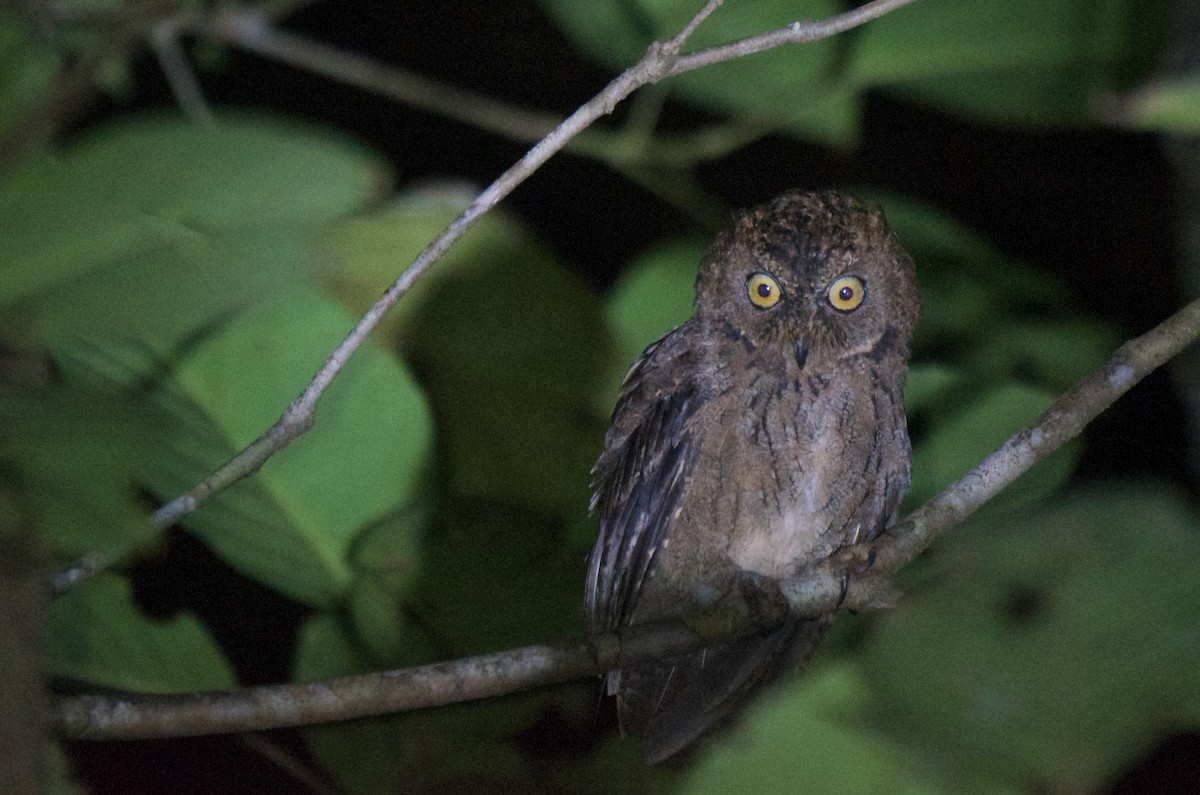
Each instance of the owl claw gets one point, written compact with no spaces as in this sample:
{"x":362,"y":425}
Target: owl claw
{"x":845,"y":588}
{"x":853,"y":559}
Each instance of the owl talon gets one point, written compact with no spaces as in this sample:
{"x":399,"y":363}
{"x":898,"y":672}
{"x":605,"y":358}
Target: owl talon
{"x":855,"y":559}
{"x":851,"y":560}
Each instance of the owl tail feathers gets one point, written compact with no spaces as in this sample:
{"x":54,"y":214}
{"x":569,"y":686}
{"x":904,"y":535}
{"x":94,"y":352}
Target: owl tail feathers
{"x":670,"y":703}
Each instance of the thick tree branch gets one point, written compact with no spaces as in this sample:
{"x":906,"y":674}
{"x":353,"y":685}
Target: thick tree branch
{"x":135,"y":716}
{"x":659,"y":62}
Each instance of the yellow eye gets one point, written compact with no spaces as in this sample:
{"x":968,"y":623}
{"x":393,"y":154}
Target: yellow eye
{"x":763,"y":290}
{"x":846,"y":293}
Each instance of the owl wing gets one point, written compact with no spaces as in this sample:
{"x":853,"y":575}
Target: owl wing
{"x":640,"y":478}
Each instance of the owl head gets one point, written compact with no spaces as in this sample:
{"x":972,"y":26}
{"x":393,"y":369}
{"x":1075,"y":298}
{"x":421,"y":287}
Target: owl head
{"x":818,"y":272}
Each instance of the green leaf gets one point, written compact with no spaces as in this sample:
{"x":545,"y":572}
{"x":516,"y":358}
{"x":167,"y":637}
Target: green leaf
{"x":1005,"y":61}
{"x":963,"y":438}
{"x":966,"y":284}
{"x":1055,"y":354}
{"x":363,"y":756}
{"x":794,"y":87}
{"x":165,"y":189}
{"x":1171,"y":105}
{"x":934,"y":234}
{"x":96,"y":634}
{"x":292,"y":524}
{"x":928,"y":385}
{"x":446,"y":749}
{"x":510,"y":346}
{"x":482,"y":562}
{"x":27,"y":64}
{"x":387,"y":559}
{"x":360,"y":256}
{"x":158,"y":261}
{"x":808,"y":735}
{"x":164,"y":299}
{"x":82,"y":455}
{"x":1052,"y":652}
{"x":654,"y":294}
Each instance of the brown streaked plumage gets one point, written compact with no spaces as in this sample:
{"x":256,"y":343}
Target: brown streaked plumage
{"x":763,"y":435}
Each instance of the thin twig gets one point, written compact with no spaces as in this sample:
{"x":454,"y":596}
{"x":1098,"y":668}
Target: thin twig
{"x":1063,"y":421}
{"x":164,"y":40}
{"x":249,"y":30}
{"x":795,"y":33}
{"x":137,"y":716}
{"x":659,"y":62}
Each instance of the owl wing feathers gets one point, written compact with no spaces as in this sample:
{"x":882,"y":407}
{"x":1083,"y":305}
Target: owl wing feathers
{"x":639,"y":481}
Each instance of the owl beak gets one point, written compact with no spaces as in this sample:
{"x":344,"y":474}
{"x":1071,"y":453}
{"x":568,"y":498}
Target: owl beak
{"x":801,"y":353}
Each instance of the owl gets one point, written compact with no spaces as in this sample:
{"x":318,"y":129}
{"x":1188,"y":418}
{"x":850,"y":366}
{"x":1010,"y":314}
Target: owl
{"x":761,"y":437}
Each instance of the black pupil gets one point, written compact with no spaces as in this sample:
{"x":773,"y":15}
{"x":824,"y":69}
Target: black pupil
{"x":846,"y":293}
{"x":764,"y":290}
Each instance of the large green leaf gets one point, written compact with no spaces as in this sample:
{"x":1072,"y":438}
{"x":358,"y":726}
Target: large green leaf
{"x":292,"y":524}
{"x":1050,"y":652}
{"x":363,"y":756}
{"x":1006,"y":61}
{"x":165,"y":297}
{"x":654,"y":294}
{"x":96,"y":634}
{"x":1003,"y":61}
{"x":388,"y":558}
{"x":83,"y":455}
{"x":510,"y":346}
{"x":960,"y":439}
{"x":1054,"y":353}
{"x":501,"y":564}
{"x":996,"y":341}
{"x":162,"y":225}
{"x":794,"y":87}
{"x":158,"y":261}
{"x":507,"y":564}
{"x":457,"y":748}
{"x":1170,"y":105}
{"x":808,"y":736}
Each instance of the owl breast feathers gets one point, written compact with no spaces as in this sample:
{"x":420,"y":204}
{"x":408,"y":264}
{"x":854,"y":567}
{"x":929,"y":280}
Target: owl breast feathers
{"x":761,"y":436}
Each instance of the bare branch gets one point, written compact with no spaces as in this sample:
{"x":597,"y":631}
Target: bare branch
{"x":164,"y":40}
{"x":135,"y":716}
{"x":248,"y":29}
{"x":659,"y":62}
{"x":795,"y":33}
{"x":1063,"y":421}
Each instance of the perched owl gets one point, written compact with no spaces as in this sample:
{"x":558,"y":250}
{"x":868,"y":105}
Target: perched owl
{"x":763,"y":435}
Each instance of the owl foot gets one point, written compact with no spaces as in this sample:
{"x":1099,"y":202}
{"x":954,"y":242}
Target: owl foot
{"x":853,"y":559}
{"x":764,"y":599}
{"x":751,"y":597}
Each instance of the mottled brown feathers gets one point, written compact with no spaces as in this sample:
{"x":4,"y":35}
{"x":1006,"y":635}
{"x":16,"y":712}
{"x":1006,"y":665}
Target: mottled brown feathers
{"x":761,"y":436}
